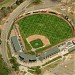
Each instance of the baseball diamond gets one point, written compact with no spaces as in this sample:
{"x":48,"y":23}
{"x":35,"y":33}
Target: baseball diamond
{"x":38,"y":39}
{"x":54,"y":28}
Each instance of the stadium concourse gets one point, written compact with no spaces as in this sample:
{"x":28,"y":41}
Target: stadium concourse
{"x":58,"y":50}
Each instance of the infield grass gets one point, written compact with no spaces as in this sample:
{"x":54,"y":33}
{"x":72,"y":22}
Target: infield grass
{"x":36,"y":43}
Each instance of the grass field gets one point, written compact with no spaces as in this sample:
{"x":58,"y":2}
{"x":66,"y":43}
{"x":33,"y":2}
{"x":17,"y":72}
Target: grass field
{"x":36,"y":43}
{"x":54,"y":28}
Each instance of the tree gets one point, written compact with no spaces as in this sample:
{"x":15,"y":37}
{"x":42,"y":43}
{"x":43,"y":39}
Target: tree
{"x":14,"y":63}
{"x":9,"y":9}
{"x":13,"y":6}
{"x":56,"y":0}
{"x":5,"y":11}
{"x":18,"y":2}
{"x":0,"y":41}
{"x":0,"y":32}
{"x":4,"y":70}
{"x":13,"y":60}
{"x":38,"y":70}
{"x":1,"y":14}
{"x":0,"y":36}
{"x":15,"y":66}
{"x":36,"y":1}
{"x":35,"y":69}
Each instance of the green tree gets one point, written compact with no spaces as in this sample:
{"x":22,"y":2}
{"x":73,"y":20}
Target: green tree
{"x":1,"y":15}
{"x":15,"y":66}
{"x":4,"y":70}
{"x":36,"y":1}
{"x":5,"y":11}
{"x":14,"y":63}
{"x":13,"y":60}
{"x":18,"y":2}
{"x":56,"y":0}
{"x":38,"y":70}
{"x":35,"y":69}
{"x":0,"y":33}
{"x":0,"y":41}
{"x":9,"y":9}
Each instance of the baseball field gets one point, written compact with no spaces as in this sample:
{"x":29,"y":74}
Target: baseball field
{"x":52,"y":27}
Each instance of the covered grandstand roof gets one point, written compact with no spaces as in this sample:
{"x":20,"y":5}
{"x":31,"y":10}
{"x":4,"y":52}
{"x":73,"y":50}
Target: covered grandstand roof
{"x":15,"y":43}
{"x":50,"y":52}
{"x":27,"y":56}
{"x":42,"y":55}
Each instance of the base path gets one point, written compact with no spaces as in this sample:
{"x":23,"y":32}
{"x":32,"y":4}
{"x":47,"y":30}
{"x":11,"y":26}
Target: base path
{"x":43,"y":39}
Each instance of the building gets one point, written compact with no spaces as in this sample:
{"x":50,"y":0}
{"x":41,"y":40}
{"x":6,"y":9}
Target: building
{"x":15,"y":44}
{"x":43,"y":55}
{"x":27,"y":57}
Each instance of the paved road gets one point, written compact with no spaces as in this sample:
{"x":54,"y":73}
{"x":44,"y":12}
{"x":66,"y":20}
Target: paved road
{"x":7,"y":27}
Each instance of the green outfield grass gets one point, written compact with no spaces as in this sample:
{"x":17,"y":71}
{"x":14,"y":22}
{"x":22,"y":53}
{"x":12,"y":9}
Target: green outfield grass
{"x":53,"y":27}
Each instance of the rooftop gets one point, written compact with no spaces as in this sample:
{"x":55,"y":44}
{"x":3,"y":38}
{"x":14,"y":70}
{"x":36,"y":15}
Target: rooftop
{"x":50,"y":52}
{"x":15,"y":43}
{"x":27,"y":56}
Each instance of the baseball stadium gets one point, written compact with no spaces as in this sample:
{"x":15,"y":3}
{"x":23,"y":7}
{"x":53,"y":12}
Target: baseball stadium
{"x":40,"y":35}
